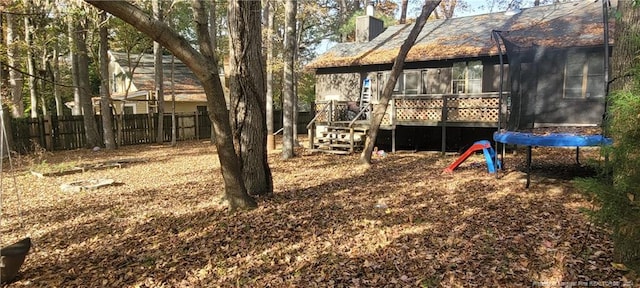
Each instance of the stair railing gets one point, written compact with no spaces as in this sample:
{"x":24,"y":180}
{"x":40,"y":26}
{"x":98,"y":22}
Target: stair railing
{"x":311,"y":127}
{"x":353,"y":121}
{"x":362,"y":111}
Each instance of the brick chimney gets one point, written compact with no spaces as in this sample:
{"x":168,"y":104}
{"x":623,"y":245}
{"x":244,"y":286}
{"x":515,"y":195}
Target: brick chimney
{"x":367,"y":26}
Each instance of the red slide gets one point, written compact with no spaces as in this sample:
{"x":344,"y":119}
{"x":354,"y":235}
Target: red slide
{"x":475,"y":147}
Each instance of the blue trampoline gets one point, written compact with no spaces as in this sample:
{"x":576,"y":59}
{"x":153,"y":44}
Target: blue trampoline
{"x":550,"y":140}
{"x":537,"y":98}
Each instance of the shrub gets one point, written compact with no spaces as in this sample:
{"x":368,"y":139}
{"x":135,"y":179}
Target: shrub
{"x":617,"y":190}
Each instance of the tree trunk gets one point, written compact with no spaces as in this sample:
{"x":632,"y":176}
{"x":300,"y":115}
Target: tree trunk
{"x":159,"y":77}
{"x":174,"y":131}
{"x":380,"y":109}
{"x":271,"y":139}
{"x":73,"y":55}
{"x":403,"y":11}
{"x":90,"y":126}
{"x":213,"y":25}
{"x":204,"y":65}
{"x":56,"y":79}
{"x":105,"y":98}
{"x":213,"y":36}
{"x":16,"y":81}
{"x":288,"y":92}
{"x":344,"y":17}
{"x":625,"y":67}
{"x":45,"y":74}
{"x":247,"y":95}
{"x":625,"y":51}
{"x":31,"y":68}
{"x":7,"y":137}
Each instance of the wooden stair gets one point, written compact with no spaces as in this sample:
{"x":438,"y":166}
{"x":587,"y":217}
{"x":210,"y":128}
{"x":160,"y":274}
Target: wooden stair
{"x":340,"y":140}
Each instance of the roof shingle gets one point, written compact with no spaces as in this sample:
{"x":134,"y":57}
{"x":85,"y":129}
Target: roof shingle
{"x":572,"y":24}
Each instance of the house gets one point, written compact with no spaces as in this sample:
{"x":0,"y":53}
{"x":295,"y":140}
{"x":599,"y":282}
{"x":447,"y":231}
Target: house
{"x":132,"y":84}
{"x":450,"y":85}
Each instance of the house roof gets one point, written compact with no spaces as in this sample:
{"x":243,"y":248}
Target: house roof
{"x":572,"y":24}
{"x":186,"y":86}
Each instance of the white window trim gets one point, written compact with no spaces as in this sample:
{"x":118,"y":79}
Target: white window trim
{"x":584,"y":94}
{"x":132,"y":105}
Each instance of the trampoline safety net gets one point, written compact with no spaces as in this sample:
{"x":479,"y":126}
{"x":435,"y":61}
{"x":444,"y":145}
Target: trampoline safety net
{"x":547,"y":83}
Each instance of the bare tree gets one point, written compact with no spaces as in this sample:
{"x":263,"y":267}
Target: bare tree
{"x":247,"y":94}
{"x":84,"y":88}
{"x":31,"y":68}
{"x":15,"y":77}
{"x":57,"y":96}
{"x":269,"y":14}
{"x":204,"y":64}
{"x":213,"y":35}
{"x":159,"y":77}
{"x":73,"y":56}
{"x":403,"y":11}
{"x":288,"y":100}
{"x":627,"y":46}
{"x":105,"y":98}
{"x":380,"y":109}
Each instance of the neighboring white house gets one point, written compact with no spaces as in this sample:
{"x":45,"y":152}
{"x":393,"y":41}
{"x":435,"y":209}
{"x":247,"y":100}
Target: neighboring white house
{"x":132,"y":86}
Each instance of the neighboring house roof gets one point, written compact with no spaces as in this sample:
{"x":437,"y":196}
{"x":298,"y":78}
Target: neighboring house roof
{"x":187,"y":87}
{"x":572,"y":24}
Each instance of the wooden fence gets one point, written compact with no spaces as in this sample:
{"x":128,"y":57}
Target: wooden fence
{"x":67,"y":132}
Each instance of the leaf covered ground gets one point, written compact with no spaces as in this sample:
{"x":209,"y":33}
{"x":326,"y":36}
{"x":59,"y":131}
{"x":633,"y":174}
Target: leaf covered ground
{"x":331,"y":223}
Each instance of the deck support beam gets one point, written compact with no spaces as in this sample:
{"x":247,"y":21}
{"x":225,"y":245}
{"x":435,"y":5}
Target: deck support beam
{"x":393,"y":139}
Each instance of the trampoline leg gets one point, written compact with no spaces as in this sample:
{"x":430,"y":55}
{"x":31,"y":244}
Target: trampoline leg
{"x":504,"y":151}
{"x":528,"y":166}
{"x":578,"y":155}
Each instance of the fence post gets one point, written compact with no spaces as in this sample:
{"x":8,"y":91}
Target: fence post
{"x":196,"y":121}
{"x":41,"y":133}
{"x":120,"y":129}
{"x":47,"y":133}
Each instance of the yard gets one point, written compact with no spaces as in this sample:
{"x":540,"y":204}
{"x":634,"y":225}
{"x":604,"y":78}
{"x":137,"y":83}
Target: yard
{"x":400,"y":223}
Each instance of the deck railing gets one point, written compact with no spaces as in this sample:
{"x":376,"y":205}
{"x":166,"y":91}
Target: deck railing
{"x":480,"y":109}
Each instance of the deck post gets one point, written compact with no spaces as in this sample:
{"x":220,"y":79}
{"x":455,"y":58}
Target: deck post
{"x":331,"y":109}
{"x":443,"y":123}
{"x":393,"y":138}
{"x":312,"y":134}
{"x":351,"y":148}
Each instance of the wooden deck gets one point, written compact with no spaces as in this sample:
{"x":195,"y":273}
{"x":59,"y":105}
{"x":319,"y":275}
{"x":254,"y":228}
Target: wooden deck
{"x":469,"y":110}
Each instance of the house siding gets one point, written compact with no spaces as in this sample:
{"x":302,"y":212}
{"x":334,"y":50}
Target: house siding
{"x":338,"y":86}
{"x":543,"y":89}
{"x":541,"y":86}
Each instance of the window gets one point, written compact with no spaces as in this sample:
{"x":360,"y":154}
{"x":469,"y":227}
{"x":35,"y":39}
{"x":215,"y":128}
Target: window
{"x":467,"y":77}
{"x":202,"y":110}
{"x":382,"y":81}
{"x":408,"y":83}
{"x":129,"y":109}
{"x":411,"y":82}
{"x":115,"y":83}
{"x":584,"y":75}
